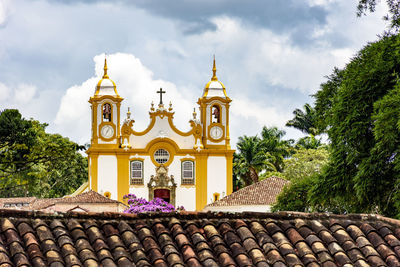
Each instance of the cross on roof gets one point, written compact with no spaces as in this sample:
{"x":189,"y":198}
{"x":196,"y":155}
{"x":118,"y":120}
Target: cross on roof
{"x":161,"y":92}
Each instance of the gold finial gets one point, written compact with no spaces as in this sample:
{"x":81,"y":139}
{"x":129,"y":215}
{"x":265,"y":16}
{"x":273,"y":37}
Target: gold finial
{"x":152,"y":106}
{"x":170,"y":106}
{"x":128,"y":114}
{"x":194,"y":114}
{"x":214,"y":77}
{"x":105,"y":76}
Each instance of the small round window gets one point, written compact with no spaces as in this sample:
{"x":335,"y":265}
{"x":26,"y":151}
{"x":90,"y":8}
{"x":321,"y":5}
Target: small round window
{"x":161,"y":156}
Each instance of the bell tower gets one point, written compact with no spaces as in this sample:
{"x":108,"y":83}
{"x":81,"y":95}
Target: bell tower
{"x":105,"y":105}
{"x":214,"y":114}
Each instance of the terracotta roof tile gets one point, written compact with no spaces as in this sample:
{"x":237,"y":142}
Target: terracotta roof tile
{"x":197,"y":239}
{"x":261,"y":193}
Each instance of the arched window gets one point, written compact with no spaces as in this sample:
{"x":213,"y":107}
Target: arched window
{"x":136,"y":172}
{"x":188,"y":172}
{"x":161,"y":156}
{"x":216,"y":114}
{"x":106,"y":112}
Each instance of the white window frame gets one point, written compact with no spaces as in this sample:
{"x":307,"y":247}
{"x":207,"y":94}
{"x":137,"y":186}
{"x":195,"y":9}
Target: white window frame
{"x":187,"y":180}
{"x":136,"y":180}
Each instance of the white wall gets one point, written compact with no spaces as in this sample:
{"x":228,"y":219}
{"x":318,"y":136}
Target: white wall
{"x":216,"y":177}
{"x":107,"y":175}
{"x":185,"y":196}
{"x":161,"y":129}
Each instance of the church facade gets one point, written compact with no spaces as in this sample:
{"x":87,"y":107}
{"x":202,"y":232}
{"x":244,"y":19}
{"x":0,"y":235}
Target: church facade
{"x":190,"y":169}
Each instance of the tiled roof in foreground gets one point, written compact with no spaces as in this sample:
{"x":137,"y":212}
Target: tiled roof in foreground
{"x":197,"y":239}
{"x":261,"y":193}
{"x":33,"y":203}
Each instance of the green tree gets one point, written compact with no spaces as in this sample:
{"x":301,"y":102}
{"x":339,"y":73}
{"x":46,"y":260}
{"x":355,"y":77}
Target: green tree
{"x":17,"y":138}
{"x":359,"y":107}
{"x":294,"y":196}
{"x":302,"y":169}
{"x":308,"y":142}
{"x":250,"y":159}
{"x":304,"y":121}
{"x":275,"y":148}
{"x":35,"y":163}
{"x":393,"y":16}
{"x":305,"y":162}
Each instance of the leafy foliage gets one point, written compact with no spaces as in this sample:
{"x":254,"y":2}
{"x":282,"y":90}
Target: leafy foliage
{"x":359,"y":106}
{"x":140,"y":205}
{"x":393,"y":17}
{"x":304,"y":121}
{"x":305,"y":162}
{"x":250,"y":160}
{"x":35,"y":163}
{"x":275,"y":147}
{"x":294,"y":196}
{"x":308,"y":142}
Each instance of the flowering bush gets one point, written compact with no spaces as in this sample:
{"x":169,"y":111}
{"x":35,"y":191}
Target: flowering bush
{"x":140,"y":205}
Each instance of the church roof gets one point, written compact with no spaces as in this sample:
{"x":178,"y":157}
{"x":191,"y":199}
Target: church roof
{"x":261,"y":193}
{"x":214,"y":87}
{"x":105,"y":85}
{"x":197,"y":239}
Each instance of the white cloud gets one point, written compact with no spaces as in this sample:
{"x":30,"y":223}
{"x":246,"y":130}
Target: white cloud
{"x":5,"y":92}
{"x":18,"y":95}
{"x":138,"y":86}
{"x":4,"y":11}
{"x":135,"y":83}
{"x":24,"y":93}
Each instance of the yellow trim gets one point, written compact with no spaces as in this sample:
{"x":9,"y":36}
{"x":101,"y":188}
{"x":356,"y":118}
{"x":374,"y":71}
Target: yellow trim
{"x":188,"y":159}
{"x":213,"y":79}
{"x":127,"y":127}
{"x":111,"y":150}
{"x":132,"y":158}
{"x":93,"y":171}
{"x":162,"y":144}
{"x":114,"y":128}
{"x":220,"y":125}
{"x":228,"y":139}
{"x":103,"y":97}
{"x":201,"y":181}
{"x":105,"y":77}
{"x":188,"y":185}
{"x":123,"y":176}
{"x":229,"y":174}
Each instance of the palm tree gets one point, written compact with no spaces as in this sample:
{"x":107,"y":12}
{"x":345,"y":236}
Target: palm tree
{"x":250,"y":159}
{"x":304,"y":121}
{"x":274,"y":147}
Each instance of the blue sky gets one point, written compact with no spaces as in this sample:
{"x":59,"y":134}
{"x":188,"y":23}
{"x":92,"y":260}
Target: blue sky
{"x":271,"y":55}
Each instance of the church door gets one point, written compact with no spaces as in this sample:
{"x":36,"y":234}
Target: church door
{"x":162,"y":193}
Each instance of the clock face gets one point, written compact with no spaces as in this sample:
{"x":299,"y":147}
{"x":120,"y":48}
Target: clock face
{"x":107,"y":131}
{"x":216,"y":132}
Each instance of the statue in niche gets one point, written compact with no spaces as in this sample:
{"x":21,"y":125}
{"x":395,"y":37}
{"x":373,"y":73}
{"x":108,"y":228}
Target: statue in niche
{"x":107,"y":112}
{"x":215,"y":114}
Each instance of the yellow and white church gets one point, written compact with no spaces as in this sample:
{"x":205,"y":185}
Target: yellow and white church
{"x":190,"y":169}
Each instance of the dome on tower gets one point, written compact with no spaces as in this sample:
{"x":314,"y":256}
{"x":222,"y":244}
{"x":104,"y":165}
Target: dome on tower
{"x":106,"y":86}
{"x":214,"y":87}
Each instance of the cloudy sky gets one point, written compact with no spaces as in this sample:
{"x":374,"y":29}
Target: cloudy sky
{"x":271,"y":55}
